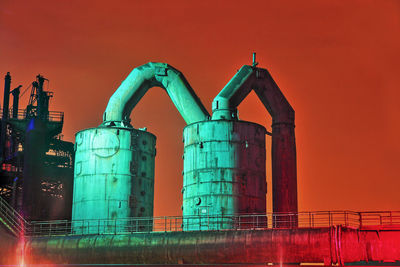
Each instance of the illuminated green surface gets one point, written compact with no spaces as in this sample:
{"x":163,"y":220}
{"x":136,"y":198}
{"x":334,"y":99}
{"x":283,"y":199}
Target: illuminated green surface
{"x":224,"y":172}
{"x":144,"y":77}
{"x":114,"y":174}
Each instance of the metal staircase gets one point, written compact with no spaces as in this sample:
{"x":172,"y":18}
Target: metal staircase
{"x":11,"y":219}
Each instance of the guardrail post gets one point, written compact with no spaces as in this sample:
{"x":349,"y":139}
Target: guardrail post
{"x":312,"y":220}
{"x":330,"y":220}
{"x":257,"y":220}
{"x":290,"y":221}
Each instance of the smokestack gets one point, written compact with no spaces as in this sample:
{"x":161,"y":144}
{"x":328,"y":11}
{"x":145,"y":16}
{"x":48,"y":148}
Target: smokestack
{"x":15,"y":94}
{"x":6,"y":102}
{"x":6,"y":99}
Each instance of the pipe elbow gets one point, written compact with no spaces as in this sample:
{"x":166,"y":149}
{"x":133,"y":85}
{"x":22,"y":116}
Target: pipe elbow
{"x":221,"y":109}
{"x":224,"y":105}
{"x":137,"y":84}
{"x":116,"y":110}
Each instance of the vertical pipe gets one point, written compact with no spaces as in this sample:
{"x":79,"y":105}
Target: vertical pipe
{"x":6,"y":101}
{"x":15,"y":94}
{"x":14,"y":115}
{"x":41,"y":97}
{"x":284,"y":171}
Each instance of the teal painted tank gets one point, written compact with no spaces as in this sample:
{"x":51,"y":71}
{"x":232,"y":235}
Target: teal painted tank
{"x":223,"y":173}
{"x":113,"y":178}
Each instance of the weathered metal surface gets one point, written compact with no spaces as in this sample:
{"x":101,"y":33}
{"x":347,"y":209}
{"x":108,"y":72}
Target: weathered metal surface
{"x":114,"y":174}
{"x":284,"y":170}
{"x":302,"y":245}
{"x":140,"y":80}
{"x":223,"y":172}
{"x":369,"y":245}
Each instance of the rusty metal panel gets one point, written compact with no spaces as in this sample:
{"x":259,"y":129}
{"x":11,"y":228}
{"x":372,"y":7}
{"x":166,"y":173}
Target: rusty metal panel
{"x":223,"y":173}
{"x":114,"y":174}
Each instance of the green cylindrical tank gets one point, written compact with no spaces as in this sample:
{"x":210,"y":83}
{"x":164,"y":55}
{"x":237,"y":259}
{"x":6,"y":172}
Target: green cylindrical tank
{"x":223,"y":173}
{"x":113,"y":178}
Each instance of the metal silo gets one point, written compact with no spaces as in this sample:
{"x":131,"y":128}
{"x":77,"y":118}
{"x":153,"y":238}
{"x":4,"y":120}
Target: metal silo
{"x":113,"y":179}
{"x":114,"y":163}
{"x":283,"y":142}
{"x":223,"y":173}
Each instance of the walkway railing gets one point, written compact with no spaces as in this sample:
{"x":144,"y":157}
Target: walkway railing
{"x":11,"y":218}
{"x":207,"y":223}
{"x":381,"y":218}
{"x":54,"y":116}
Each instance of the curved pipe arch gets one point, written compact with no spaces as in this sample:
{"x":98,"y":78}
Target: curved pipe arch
{"x":284,"y":169}
{"x":140,"y":80}
{"x":225,"y":104}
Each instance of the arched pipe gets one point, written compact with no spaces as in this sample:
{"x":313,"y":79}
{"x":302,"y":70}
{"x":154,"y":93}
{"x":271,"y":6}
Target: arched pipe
{"x":284,"y":169}
{"x":140,"y":80}
{"x":246,"y":79}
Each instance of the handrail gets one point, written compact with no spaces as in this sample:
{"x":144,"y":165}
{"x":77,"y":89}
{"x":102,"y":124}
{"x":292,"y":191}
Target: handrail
{"x":53,"y":116}
{"x":312,"y":219}
{"x":11,"y":218}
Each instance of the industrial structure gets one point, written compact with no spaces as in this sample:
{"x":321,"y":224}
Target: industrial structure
{"x":36,"y":165}
{"x":224,"y":218}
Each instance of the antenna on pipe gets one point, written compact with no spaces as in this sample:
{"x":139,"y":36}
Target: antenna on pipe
{"x":254,"y":60}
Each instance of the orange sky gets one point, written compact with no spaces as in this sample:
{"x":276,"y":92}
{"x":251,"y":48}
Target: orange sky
{"x":337,"y":62}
